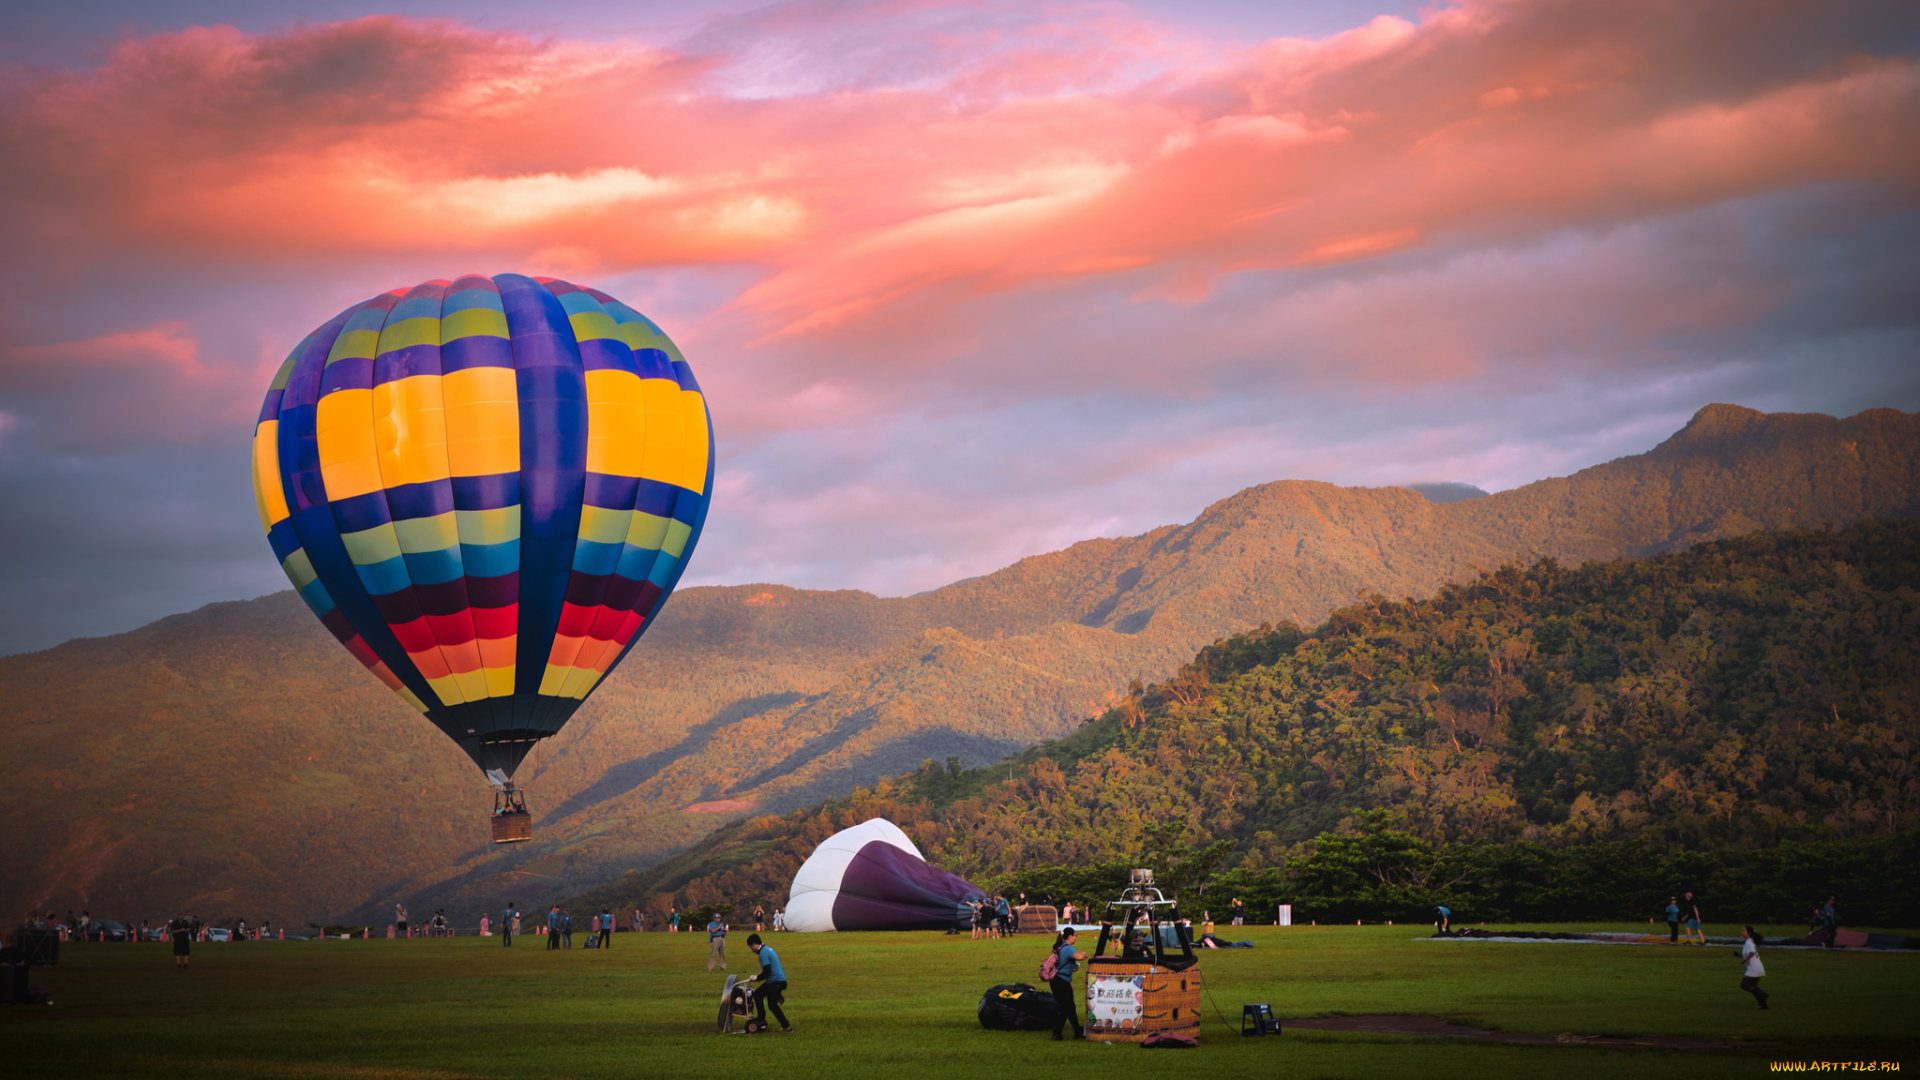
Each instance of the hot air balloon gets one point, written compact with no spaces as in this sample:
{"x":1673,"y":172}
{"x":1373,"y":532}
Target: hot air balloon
{"x":871,"y":877}
{"x":486,"y":489}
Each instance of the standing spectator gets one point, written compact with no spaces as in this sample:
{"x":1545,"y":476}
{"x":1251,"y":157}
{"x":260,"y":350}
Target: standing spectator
{"x":716,"y":943}
{"x":1067,"y":963}
{"x":779,"y":919}
{"x":553,"y":927}
{"x":566,"y":930}
{"x":181,"y":931}
{"x":759,"y":917}
{"x":673,"y":920}
{"x":1673,"y":920}
{"x":1693,"y":921}
{"x":606,"y":927}
{"x":509,"y":922}
{"x":400,"y":920}
{"x":1830,"y":920}
{"x":639,"y":921}
{"x":484,"y":932}
{"x":1066,"y":914}
{"x":773,"y":982}
{"x":1239,"y":912}
{"x":979,"y":909}
{"x":1750,"y":956}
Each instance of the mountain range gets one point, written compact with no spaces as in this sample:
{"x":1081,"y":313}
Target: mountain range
{"x":234,"y":761}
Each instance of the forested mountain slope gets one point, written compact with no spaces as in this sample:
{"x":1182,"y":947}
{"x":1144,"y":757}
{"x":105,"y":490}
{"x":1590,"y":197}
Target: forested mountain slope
{"x":1731,"y":696}
{"x":235,"y":760}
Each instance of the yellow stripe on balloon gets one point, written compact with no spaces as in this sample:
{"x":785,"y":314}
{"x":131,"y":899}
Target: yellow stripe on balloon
{"x":371,"y":546}
{"x":590,"y":325}
{"x":600,"y":525}
{"x":410,"y":430}
{"x":693,"y":427}
{"x":409,"y":332}
{"x":355,"y":345}
{"x":343,"y":426}
{"x":616,"y":423}
{"x":483,"y":421}
{"x":436,"y":533}
{"x":268,"y":496}
{"x":648,"y":531}
{"x":483,"y":527}
{"x":299,"y":569}
{"x":473,"y":322}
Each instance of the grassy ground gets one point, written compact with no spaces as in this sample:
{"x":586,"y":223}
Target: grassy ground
{"x":894,"y":1005}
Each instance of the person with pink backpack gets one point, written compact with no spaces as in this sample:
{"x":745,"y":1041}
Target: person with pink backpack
{"x":1058,"y":971}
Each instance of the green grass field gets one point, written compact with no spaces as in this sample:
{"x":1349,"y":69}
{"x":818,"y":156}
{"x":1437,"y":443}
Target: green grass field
{"x":902,"y":1005}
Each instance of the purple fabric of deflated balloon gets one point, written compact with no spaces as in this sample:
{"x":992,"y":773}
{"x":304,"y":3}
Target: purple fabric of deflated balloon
{"x":885,"y":888}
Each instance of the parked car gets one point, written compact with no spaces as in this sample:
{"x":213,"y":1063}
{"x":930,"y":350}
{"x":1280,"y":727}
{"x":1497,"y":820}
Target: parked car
{"x":219,"y":933}
{"x":106,"y":930}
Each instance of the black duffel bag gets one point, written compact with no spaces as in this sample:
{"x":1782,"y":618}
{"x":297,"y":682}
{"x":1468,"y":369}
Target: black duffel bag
{"x":1018,"y":1007}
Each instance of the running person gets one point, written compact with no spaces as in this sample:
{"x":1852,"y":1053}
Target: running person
{"x":1062,"y":984}
{"x":1750,"y":956}
{"x":773,"y":983}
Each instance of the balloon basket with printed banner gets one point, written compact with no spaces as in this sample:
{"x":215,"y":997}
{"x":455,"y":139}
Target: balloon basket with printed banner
{"x":1143,"y":978}
{"x":511,"y":821}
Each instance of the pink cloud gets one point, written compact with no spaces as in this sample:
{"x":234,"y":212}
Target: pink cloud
{"x":1008,"y":155}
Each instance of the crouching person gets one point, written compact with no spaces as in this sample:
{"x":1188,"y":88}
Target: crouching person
{"x":773,"y":983}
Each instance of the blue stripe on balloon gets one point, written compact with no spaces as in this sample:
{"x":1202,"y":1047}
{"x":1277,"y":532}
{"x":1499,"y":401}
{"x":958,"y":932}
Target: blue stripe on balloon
{"x":430,"y":499}
{"x":405,"y":363}
{"x":347,"y":373}
{"x":610,"y":492}
{"x":469,"y":298}
{"x":653,"y":364}
{"x":656,"y":498}
{"x":434,"y":567}
{"x":596,"y":559}
{"x":477,"y":351}
{"x":281,"y":537}
{"x":490,"y":560}
{"x":683,"y":374}
{"x":496,"y":491}
{"x":359,"y":513}
{"x":415,"y":307}
{"x":317,"y":597}
{"x":553,"y":469}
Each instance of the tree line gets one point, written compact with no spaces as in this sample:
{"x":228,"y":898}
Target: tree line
{"x":1540,"y":742}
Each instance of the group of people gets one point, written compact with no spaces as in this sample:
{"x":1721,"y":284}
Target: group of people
{"x":998,"y":916}
{"x":557,"y":927}
{"x":675,"y":919}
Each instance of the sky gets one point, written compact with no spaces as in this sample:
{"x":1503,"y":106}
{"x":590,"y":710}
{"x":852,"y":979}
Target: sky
{"x":963,"y":282}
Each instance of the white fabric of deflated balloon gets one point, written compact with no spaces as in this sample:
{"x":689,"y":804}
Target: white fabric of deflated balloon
{"x":810,"y":901}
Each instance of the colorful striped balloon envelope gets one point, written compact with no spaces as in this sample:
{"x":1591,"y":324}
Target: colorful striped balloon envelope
{"x":485,"y":489}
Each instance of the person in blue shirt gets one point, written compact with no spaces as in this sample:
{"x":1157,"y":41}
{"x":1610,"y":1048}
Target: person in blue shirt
{"x":1062,"y":984}
{"x":716,"y":943}
{"x":553,"y":928}
{"x":1446,"y":917}
{"x":507,"y":919}
{"x":1673,"y":920}
{"x":566,"y":930}
{"x":773,"y":983}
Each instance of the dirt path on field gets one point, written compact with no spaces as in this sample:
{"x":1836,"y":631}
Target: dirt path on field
{"x":1435,"y":1026}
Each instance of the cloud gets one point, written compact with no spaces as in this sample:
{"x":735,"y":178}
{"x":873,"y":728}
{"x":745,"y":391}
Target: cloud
{"x":969,"y":281}
{"x":129,"y":388}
